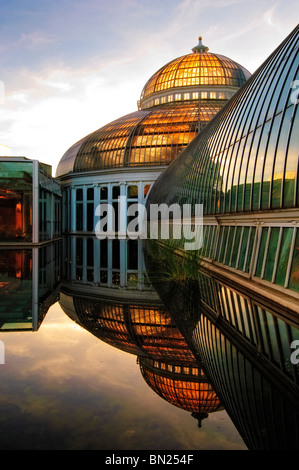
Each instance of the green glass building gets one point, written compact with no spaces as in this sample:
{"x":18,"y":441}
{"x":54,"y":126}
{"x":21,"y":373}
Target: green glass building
{"x":243,"y":169}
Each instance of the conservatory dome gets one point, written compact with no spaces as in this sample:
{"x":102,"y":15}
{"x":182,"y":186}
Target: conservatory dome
{"x":214,"y":75}
{"x":175,"y":104}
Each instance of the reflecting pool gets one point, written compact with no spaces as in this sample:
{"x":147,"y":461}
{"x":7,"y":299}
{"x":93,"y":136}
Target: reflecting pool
{"x":89,"y":363}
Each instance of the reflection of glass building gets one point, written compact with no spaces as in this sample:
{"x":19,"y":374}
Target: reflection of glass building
{"x":243,"y":168}
{"x":126,"y":156}
{"x":248,"y":353}
{"x":182,"y":386}
{"x":246,"y":346}
{"x":136,"y":326}
{"x":146,"y":329}
{"x":30,"y":201}
{"x":106,"y":263}
{"x":136,"y":322}
{"x":29,"y":280}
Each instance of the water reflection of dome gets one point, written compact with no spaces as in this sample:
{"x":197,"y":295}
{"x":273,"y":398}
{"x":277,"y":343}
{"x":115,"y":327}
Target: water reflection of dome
{"x":183,"y":386}
{"x":134,"y":327}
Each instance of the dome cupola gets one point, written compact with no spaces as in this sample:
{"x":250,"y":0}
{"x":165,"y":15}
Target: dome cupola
{"x":200,"y":74}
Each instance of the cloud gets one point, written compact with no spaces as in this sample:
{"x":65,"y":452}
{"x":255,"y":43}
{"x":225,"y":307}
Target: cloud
{"x":34,"y":39}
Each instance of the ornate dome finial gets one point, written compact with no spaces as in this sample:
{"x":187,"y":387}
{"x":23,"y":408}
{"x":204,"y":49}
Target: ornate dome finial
{"x":200,"y":47}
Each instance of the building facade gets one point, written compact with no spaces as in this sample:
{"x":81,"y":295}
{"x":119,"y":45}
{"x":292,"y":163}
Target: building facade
{"x":30,"y":201}
{"x":123,"y":159}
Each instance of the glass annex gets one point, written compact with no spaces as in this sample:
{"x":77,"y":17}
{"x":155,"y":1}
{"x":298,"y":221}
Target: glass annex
{"x":243,"y":168}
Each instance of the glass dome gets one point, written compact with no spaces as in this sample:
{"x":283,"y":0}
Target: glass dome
{"x":213,"y":74}
{"x":175,"y":104}
{"x":152,"y":137}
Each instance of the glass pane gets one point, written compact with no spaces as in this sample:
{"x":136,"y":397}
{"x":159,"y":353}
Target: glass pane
{"x":90,"y":217}
{"x":16,"y":289}
{"x":291,"y":167}
{"x":79,"y":194}
{"x":115,"y":192}
{"x":236,"y":247}
{"x":224,"y":242}
{"x":115,"y":254}
{"x":261,"y":253}
{"x":146,"y":189}
{"x":104,"y":193}
{"x":133,"y":191}
{"x":268,"y":163}
{"x":79,"y":217}
{"x":79,"y":251}
{"x":283,"y":258}
{"x":103,"y":253}
{"x":248,"y":259}
{"x":15,"y":200}
{"x":294,"y":278}
{"x":230,"y":238}
{"x":280,"y":162}
{"x":90,"y":194}
{"x":132,"y":254}
{"x":243,"y":248}
{"x":271,"y":253}
{"x":90,"y":252}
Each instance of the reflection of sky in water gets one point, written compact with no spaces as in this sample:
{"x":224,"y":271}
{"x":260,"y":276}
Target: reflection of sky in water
{"x":62,"y":388}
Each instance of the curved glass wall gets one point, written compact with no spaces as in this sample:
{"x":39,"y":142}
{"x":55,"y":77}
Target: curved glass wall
{"x":242,"y":166}
{"x":246,"y":159}
{"x":247,"y":347}
{"x":144,"y":138}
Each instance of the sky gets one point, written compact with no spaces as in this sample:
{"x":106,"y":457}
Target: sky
{"x":68,"y":67}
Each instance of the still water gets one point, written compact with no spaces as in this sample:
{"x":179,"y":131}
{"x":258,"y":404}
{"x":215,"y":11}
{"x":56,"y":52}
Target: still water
{"x":85,"y":366}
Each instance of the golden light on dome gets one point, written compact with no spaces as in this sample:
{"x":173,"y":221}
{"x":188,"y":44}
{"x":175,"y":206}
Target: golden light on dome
{"x":175,"y":103}
{"x":199,"y":69}
{"x":137,"y":329}
{"x":182,"y":386}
